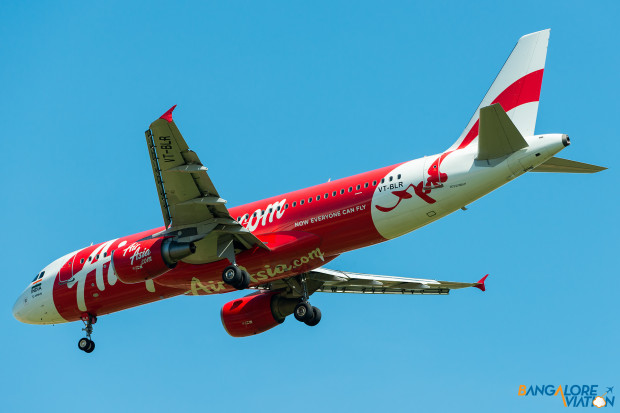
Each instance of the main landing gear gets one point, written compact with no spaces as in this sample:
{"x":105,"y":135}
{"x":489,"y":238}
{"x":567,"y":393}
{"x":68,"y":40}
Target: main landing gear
{"x":308,"y":314}
{"x":305,"y":312}
{"x":232,"y":275}
{"x":236,"y":277}
{"x":86,"y":344}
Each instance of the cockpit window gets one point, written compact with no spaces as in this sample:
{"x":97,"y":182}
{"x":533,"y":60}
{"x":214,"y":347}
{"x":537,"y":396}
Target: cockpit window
{"x":38,"y":276}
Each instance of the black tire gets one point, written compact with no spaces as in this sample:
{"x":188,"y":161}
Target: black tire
{"x":303,"y":312}
{"x":315,"y":319}
{"x":246,"y":281}
{"x":232,"y":276}
{"x":91,"y":347}
{"x":84,"y":344}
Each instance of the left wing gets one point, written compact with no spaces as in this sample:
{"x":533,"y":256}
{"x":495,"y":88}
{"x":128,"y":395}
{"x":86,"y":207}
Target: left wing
{"x":191,"y":206}
{"x":332,"y":281}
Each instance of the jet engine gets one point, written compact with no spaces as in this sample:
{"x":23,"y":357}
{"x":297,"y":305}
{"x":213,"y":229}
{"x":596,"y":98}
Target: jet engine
{"x":144,"y":260}
{"x":256,"y":313}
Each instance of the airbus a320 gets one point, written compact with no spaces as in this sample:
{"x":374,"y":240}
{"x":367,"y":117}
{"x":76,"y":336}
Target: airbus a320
{"x":278,"y":247}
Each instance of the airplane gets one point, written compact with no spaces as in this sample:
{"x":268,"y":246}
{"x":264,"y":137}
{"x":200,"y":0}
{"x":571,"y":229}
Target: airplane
{"x":278,"y":247}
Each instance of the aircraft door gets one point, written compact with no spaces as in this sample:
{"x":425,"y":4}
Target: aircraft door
{"x":66,"y":271}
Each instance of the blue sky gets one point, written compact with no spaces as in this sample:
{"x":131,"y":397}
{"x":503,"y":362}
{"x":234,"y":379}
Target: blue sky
{"x":276,"y":96}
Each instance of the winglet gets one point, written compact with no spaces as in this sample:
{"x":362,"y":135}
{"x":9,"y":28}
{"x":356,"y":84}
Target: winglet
{"x":480,"y":284}
{"x":168,"y":115}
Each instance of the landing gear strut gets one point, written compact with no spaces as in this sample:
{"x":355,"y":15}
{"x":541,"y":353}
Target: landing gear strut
{"x":86,"y":344}
{"x":305,"y":312}
{"x":236,"y":277}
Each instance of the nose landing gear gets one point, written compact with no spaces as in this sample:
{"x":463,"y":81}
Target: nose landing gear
{"x":86,"y":344}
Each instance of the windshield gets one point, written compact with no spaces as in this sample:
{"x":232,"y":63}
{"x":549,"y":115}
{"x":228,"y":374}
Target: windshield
{"x":38,"y":276}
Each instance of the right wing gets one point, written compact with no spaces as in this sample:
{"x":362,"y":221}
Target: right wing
{"x":333,"y":281}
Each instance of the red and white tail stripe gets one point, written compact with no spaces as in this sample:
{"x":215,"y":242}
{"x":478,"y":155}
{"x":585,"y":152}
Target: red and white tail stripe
{"x":516,"y":87}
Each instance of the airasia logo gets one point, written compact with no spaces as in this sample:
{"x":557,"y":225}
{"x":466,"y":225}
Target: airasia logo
{"x":143,"y":256}
{"x":435,"y":179}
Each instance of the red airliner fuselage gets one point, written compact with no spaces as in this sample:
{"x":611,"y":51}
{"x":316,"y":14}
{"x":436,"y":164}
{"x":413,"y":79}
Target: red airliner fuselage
{"x":303,"y":237}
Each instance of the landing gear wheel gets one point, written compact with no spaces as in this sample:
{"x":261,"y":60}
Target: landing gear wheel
{"x":84,"y":344}
{"x":303,"y":311}
{"x":246,"y":281}
{"x":316,"y":317}
{"x":233,"y":276}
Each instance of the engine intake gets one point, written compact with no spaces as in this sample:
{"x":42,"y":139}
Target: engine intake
{"x":256,"y":313}
{"x":144,"y":260}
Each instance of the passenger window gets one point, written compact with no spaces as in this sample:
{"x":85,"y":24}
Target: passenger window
{"x":325,"y":196}
{"x":398,"y":177}
{"x":105,"y":254}
{"x":301,"y":202}
{"x":318,"y":197}
{"x":382,"y":180}
{"x":254,"y":214}
{"x":334,"y":193}
{"x":82,"y":261}
{"x":350,"y":188}
{"x":341,"y":191}
{"x":97,"y":256}
{"x":366,"y":185}
{"x":286,"y":206}
{"x":391,"y":177}
{"x":374,"y":183}
{"x":358,"y":187}
{"x":294,"y":204}
{"x":310,"y":199}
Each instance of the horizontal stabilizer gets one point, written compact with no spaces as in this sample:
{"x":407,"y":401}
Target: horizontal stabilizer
{"x":498,"y":136}
{"x":567,"y":166}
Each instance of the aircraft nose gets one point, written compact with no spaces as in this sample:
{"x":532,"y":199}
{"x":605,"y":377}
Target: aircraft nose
{"x":18,"y":308}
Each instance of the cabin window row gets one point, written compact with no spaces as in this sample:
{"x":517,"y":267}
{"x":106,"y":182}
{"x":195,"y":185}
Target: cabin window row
{"x":105,"y":254}
{"x":317,"y":198}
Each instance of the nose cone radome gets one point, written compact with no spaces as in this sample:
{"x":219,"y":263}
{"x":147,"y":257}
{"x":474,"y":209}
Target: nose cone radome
{"x":35,"y":305}
{"x":19,"y":308}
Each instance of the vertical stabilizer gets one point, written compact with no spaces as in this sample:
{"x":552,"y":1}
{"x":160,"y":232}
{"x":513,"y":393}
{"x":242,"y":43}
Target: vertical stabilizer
{"x":516,"y":88}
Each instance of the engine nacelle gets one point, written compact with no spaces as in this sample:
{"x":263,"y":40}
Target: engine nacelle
{"x":256,"y":313}
{"x":144,"y":260}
